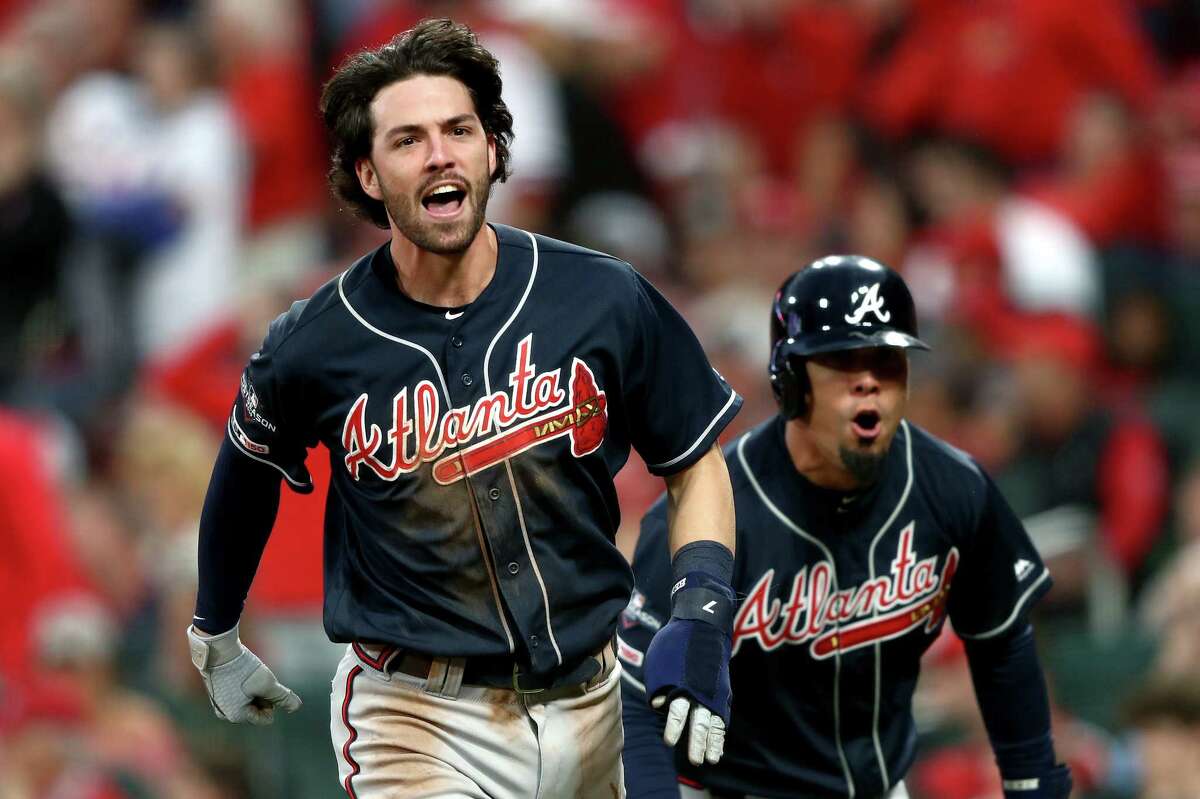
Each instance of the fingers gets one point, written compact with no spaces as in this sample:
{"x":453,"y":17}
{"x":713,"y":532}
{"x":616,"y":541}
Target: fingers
{"x":658,"y":702}
{"x":266,"y":693}
{"x":698,"y":734}
{"x":716,"y":740}
{"x":677,"y":715}
{"x":291,"y":702}
{"x":706,"y":731}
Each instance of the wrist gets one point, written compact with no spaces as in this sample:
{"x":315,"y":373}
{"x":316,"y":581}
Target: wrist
{"x":210,"y":651}
{"x":701,"y":591}
{"x":708,"y":557}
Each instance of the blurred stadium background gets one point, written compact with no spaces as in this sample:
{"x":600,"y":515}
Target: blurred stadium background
{"x":1032,"y":166}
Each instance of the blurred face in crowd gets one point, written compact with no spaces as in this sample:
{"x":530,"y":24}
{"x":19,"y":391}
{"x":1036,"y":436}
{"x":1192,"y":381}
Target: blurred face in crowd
{"x":858,"y":398}
{"x":17,"y":146}
{"x":430,"y":163}
{"x":170,"y":63}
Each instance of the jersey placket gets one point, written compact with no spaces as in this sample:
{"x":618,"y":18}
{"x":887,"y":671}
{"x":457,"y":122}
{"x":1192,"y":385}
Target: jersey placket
{"x":500,"y":514}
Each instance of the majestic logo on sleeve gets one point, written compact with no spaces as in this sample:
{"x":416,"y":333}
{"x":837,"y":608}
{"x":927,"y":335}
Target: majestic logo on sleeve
{"x":871,"y":303}
{"x":534,"y":411}
{"x":912,"y":594}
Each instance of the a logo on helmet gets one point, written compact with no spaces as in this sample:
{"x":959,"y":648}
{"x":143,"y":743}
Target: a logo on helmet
{"x":871,"y":302}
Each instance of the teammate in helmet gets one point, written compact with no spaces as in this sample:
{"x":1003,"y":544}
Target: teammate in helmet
{"x":858,"y":534}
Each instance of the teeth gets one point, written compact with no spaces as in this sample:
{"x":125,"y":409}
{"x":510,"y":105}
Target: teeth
{"x":442,"y":190}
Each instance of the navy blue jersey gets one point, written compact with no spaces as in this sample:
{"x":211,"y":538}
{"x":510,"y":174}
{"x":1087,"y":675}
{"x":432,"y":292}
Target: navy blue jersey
{"x":471,"y":509}
{"x":839,"y":595}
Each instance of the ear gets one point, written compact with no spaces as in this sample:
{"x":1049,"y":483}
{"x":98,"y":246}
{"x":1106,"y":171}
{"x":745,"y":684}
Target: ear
{"x":491,"y":141}
{"x":368,"y":178}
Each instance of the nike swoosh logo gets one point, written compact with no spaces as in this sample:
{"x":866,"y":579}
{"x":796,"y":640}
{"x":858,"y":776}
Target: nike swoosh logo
{"x":453,"y":316}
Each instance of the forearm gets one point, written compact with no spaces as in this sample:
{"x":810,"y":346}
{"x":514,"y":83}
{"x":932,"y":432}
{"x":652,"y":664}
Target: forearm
{"x":700,"y":503}
{"x":1011,"y":691}
{"x":239,"y":512}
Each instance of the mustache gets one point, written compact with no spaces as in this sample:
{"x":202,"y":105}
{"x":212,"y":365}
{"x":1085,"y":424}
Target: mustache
{"x":444,"y":176}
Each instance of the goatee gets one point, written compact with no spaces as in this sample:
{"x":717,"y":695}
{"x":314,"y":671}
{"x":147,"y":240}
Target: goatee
{"x":864,"y":466}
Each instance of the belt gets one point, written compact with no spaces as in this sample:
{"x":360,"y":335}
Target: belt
{"x":450,"y":673}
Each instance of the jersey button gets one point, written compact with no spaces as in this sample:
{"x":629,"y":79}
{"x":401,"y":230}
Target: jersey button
{"x":533,"y":641}
{"x":494,"y":494}
{"x":467,"y":379}
{"x":456,"y":342}
{"x":514,"y":567}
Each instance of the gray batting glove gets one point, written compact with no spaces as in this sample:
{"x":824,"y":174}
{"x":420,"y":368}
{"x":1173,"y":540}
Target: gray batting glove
{"x":706,"y":730}
{"x":240,"y":687}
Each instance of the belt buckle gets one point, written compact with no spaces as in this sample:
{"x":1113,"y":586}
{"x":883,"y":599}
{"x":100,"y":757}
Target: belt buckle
{"x":517,"y":683}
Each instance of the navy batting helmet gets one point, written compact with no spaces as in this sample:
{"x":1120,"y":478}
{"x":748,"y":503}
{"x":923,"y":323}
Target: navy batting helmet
{"x":840,"y":302}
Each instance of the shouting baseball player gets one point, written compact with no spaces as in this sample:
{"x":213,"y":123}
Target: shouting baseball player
{"x":857,"y":535}
{"x":477,"y":387}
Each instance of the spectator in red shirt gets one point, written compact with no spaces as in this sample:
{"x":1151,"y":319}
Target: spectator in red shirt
{"x":1008,"y":72}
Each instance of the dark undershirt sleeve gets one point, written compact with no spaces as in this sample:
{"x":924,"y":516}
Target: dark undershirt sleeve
{"x":1011,"y":691}
{"x":239,"y":512}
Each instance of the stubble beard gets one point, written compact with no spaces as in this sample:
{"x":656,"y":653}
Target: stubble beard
{"x":865,"y":467}
{"x":434,"y":237}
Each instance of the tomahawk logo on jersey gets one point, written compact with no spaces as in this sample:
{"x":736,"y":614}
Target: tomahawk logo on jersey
{"x":473,"y":452}
{"x":841,"y":594}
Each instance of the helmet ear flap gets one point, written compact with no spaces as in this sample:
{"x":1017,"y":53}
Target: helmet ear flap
{"x":789,"y":380}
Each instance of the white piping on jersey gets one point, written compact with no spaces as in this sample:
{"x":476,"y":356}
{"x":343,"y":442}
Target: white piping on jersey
{"x":487,"y":357}
{"x":487,"y":386}
{"x":627,"y":677}
{"x":732,"y":397}
{"x":908,"y":481}
{"x":249,"y":454}
{"x":1012,"y":616}
{"x":487,"y":563}
{"x":837,"y":668}
{"x":436,"y":367}
{"x":536,"y":571}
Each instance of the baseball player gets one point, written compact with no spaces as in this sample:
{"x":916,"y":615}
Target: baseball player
{"x":858,"y":534}
{"x":477,"y":387}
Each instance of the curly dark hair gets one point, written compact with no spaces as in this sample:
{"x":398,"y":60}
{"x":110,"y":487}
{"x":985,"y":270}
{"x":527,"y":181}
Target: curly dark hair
{"x":437,"y":47}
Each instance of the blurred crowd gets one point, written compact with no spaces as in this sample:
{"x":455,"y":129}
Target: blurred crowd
{"x":1031,"y":166}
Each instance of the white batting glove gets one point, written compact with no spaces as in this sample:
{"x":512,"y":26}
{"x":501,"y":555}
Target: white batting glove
{"x":706,"y":732}
{"x":240,"y":687}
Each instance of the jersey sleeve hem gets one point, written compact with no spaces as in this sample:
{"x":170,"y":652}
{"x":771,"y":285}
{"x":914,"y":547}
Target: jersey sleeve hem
{"x":300,"y":487}
{"x":703,"y":443}
{"x":1033,"y":593}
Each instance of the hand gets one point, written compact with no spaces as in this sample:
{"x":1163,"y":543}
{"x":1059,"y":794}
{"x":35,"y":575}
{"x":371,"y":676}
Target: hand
{"x":1055,"y":784}
{"x":706,"y":733}
{"x":687,"y":666}
{"x":240,"y":687}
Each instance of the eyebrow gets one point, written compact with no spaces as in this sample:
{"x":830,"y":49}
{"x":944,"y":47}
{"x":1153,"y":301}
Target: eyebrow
{"x":448,"y":123}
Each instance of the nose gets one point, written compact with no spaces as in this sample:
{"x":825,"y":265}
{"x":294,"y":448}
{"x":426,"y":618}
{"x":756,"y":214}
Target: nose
{"x":439,"y":157}
{"x":865,"y":383}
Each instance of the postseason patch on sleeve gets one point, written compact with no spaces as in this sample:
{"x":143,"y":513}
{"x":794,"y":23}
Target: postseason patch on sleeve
{"x":629,"y":654}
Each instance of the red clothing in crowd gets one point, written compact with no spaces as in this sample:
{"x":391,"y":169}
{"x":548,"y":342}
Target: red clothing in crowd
{"x":1120,"y":201}
{"x":273,"y":101}
{"x":769,"y":81}
{"x":38,"y":563}
{"x":1007,"y":73}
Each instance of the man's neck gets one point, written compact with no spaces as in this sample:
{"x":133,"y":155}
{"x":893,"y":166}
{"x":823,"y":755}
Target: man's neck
{"x":812,"y":463}
{"x":445,"y":281}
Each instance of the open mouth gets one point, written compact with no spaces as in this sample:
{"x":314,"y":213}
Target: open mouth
{"x":444,"y":201}
{"x":867,"y":424}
